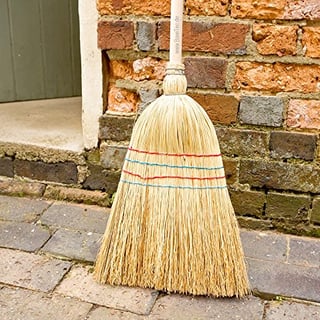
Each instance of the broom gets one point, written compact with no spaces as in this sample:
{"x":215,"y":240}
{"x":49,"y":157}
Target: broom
{"x":172,"y":226}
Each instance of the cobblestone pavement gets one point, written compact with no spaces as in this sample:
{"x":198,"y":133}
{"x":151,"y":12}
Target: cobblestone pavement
{"x":47,"y":250}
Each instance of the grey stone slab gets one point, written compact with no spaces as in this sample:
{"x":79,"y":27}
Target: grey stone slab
{"x":76,"y":217}
{"x":22,"y":236}
{"x":180,"y":307}
{"x":79,"y":245}
{"x":282,"y":279}
{"x":292,"y":310}
{"x":80,"y":284}
{"x":261,"y":110}
{"x":17,"y":303}
{"x":21,"y":209}
{"x":304,"y":251}
{"x":31,"y":271}
{"x":264,"y":245}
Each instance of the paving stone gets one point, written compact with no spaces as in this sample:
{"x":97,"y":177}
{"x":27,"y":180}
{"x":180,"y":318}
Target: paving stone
{"x":107,"y":313}
{"x":80,"y":284}
{"x":76,"y":217}
{"x":28,"y":305}
{"x":283,"y":279}
{"x":292,"y":310}
{"x":21,"y":209}
{"x":186,"y":307}
{"x":304,"y":251}
{"x":264,"y":246}
{"x":31,"y":271}
{"x":179,"y":307}
{"x":79,"y":245}
{"x":22,"y":236}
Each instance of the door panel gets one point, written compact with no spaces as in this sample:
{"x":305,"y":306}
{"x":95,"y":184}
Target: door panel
{"x":43,"y":40}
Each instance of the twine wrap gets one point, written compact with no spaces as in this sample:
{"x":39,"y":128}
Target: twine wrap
{"x":175,"y":81}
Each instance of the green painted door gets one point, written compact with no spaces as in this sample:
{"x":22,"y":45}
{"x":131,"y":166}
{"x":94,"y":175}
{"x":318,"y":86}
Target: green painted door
{"x":39,"y":49}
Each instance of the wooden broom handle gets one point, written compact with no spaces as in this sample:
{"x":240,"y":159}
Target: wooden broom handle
{"x":176,"y":31}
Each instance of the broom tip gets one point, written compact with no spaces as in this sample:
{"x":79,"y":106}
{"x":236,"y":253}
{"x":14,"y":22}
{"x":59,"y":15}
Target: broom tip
{"x":175,"y":81}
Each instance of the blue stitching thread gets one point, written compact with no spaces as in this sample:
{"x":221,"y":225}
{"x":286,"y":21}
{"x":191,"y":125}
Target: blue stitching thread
{"x":170,"y":186}
{"x":172,"y":166}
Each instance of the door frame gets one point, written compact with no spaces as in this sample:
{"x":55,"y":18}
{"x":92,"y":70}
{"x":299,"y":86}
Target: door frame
{"x":91,"y":73}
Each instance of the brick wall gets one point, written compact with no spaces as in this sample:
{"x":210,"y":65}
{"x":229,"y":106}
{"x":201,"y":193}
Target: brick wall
{"x":254,"y":65}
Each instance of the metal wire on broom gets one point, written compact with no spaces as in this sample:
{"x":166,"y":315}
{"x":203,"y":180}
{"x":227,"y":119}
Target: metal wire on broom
{"x":172,"y":225}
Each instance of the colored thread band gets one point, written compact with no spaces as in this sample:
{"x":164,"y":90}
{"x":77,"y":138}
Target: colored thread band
{"x":171,"y":177}
{"x":172,"y":166}
{"x":175,"y":154}
{"x":171,"y":186}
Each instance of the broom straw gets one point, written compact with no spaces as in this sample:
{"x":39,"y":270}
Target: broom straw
{"x":172,"y":226}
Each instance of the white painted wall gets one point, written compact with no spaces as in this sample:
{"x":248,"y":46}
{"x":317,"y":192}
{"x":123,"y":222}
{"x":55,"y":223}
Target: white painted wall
{"x":91,"y":69}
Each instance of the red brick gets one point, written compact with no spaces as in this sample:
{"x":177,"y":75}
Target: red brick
{"x":311,"y":41}
{"x":207,"y":8}
{"x":136,"y":7}
{"x":122,"y":100}
{"x":115,"y":34}
{"x":207,"y":37}
{"x":277,"y":77}
{"x":275,"y":39}
{"x":220,"y":108}
{"x":304,"y":114}
{"x":206,"y":72}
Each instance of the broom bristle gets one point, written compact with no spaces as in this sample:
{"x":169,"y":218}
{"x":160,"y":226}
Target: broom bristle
{"x":172,"y":225}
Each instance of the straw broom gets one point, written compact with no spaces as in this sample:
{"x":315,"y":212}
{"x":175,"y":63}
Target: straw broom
{"x":172,"y":225}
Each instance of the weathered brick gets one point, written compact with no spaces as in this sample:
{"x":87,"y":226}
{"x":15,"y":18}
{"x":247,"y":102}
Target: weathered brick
{"x":77,"y":195}
{"x":220,"y":108}
{"x":116,"y":128}
{"x":141,"y":69}
{"x":63,"y":172}
{"x":146,"y":33}
{"x":275,"y":39}
{"x":136,"y":7}
{"x":205,"y":72}
{"x":276,"y":9}
{"x":248,"y":203}
{"x":102,"y":179}
{"x":304,"y":114}
{"x":293,"y":145}
{"x":246,"y":143}
{"x":315,"y":213}
{"x":260,"y":110}
{"x":207,"y":37}
{"x":122,"y":100}
{"x":6,"y":167}
{"x":281,"y":205}
{"x":311,"y":41}
{"x":254,"y":223}
{"x":19,"y":188}
{"x":302,"y":9}
{"x":231,"y":170}
{"x":277,"y":77}
{"x":258,"y":9}
{"x":207,"y":8}
{"x":112,"y":156}
{"x":115,"y":34}
{"x":279,"y":175}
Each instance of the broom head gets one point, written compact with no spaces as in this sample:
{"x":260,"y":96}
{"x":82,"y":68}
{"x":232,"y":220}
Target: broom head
{"x":172,"y":225}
